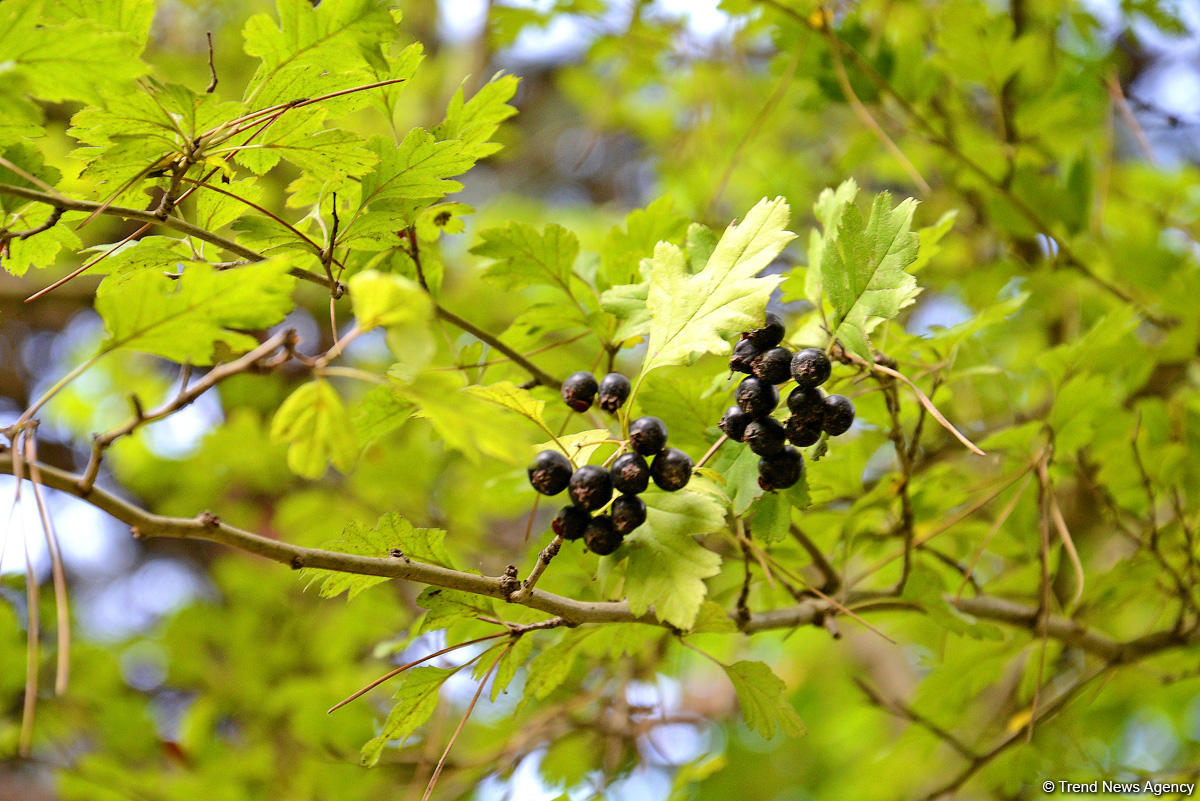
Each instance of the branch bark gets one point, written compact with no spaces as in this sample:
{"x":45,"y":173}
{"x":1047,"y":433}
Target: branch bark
{"x":209,"y":527}
{"x":183,"y":226}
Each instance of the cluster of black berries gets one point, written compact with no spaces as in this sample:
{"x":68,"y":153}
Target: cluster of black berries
{"x":759,"y":354}
{"x":591,"y":487}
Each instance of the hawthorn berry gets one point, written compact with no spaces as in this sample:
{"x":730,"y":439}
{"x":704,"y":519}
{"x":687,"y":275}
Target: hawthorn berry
{"x":773,"y":366}
{"x":578,"y":391}
{"x":744,"y":352}
{"x":734,"y":422}
{"x":780,"y":470}
{"x":671,"y":469}
{"x":765,"y":436}
{"x":810,"y":367}
{"x":647,"y":435}
{"x":614,"y":389}
{"x":839,"y":414}
{"x":570,"y":522}
{"x":801,"y":432}
{"x":756,"y":398}
{"x":628,"y":512}
{"x":770,"y":335}
{"x":808,"y":405}
{"x":591,"y":487}
{"x":630,"y":474}
{"x":600,"y":536}
{"x":550,"y":472}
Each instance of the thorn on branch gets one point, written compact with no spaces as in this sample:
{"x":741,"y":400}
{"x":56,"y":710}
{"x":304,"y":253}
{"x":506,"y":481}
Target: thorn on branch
{"x":209,"y":520}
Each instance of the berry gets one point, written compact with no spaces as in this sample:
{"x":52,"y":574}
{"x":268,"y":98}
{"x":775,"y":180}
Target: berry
{"x":601,"y":537}
{"x":550,"y":472}
{"x":671,"y":469}
{"x":614,"y":389}
{"x":770,"y":335}
{"x":647,"y":435}
{"x":570,"y":522}
{"x":801,"y":432}
{"x":839,"y":414}
{"x":810,"y":367}
{"x":807,"y":404}
{"x":591,"y":487}
{"x":578,"y":391}
{"x":743,"y":354}
{"x":765,"y":436}
{"x":734,"y":422}
{"x":773,"y":366}
{"x":630,"y":474}
{"x":757,"y":398}
{"x":628,"y":512}
{"x":781,"y":470}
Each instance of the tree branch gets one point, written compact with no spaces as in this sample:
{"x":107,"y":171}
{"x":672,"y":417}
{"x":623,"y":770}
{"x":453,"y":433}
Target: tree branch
{"x":183,"y":226}
{"x":209,"y":527}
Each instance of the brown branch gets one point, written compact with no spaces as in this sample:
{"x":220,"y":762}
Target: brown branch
{"x":208,"y":527}
{"x":184,"y":227}
{"x":212,"y":69}
{"x":186,"y":395}
{"x":539,"y":375}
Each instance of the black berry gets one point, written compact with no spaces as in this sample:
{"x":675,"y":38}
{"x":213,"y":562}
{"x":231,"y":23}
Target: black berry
{"x":839,"y":414}
{"x":765,"y":436}
{"x":773,"y":366}
{"x":600,"y":536}
{"x":802,"y":432}
{"x":647,"y":435}
{"x":808,"y":405}
{"x":671,"y":469}
{"x":630,"y":474}
{"x":550,"y":472}
{"x":781,"y":470}
{"x":570,"y":522}
{"x":756,"y":398}
{"x":770,"y":335}
{"x":591,"y":487}
{"x":810,"y":367}
{"x":734,"y":422}
{"x":628,"y":512}
{"x":743,"y":354}
{"x":614,"y":389}
{"x":578,"y":391}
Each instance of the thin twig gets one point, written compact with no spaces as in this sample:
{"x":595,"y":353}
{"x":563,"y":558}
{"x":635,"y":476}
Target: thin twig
{"x":62,"y":670}
{"x":543,"y":561}
{"x":212,"y":69}
{"x":470,"y":708}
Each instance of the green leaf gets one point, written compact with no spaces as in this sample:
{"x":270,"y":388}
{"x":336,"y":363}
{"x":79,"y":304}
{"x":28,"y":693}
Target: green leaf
{"x":419,"y":168}
{"x":762,"y":697}
{"x":462,"y":420}
{"x":314,"y":49}
{"x":314,"y":424}
{"x":526,"y":257}
{"x":773,"y":511}
{"x":416,"y":699}
{"x":512,"y":659}
{"x":550,"y":668}
{"x":184,"y":319}
{"x":474,"y":121}
{"x":446,"y":606}
{"x":666,"y":566}
{"x":697,"y":313}
{"x":624,"y":248}
{"x":713,"y":619}
{"x":380,"y":412}
{"x":391,"y":532}
{"x":862,"y":269}
{"x":71,"y":58}
{"x":386,"y":299}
